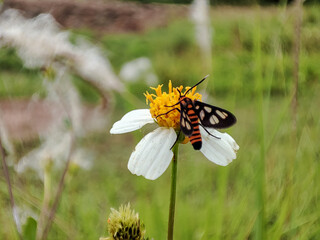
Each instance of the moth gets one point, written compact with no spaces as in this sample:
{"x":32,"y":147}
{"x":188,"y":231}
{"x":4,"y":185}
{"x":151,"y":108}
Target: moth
{"x":194,"y":113}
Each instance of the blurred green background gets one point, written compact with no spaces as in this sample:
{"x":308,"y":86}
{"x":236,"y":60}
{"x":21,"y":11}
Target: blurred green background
{"x":271,"y":191}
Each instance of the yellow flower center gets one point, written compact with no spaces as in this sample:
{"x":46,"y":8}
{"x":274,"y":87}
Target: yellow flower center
{"x":160,"y":103}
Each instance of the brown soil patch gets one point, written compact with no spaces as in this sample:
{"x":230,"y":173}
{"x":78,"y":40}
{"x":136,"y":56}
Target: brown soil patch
{"x":26,"y":119}
{"x":22,"y":119}
{"x":102,"y":16}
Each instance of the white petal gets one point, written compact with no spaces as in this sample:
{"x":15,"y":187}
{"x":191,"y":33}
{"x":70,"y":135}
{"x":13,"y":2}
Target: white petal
{"x":152,"y":155}
{"x":221,"y":150}
{"x":132,"y":121}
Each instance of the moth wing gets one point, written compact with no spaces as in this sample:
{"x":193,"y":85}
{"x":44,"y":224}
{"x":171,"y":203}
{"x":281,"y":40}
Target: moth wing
{"x":213,"y":117}
{"x":185,"y":122}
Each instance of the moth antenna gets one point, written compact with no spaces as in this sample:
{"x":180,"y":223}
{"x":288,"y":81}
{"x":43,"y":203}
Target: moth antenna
{"x":196,"y":84}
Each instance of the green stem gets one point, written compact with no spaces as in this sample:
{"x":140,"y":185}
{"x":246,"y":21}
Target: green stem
{"x":173,"y":191}
{"x":46,"y":198}
{"x":58,"y":194}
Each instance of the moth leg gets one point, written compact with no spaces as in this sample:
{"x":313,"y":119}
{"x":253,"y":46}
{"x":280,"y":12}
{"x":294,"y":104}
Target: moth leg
{"x":208,"y":131}
{"x":168,"y":112}
{"x":176,"y":139}
{"x":175,"y":103}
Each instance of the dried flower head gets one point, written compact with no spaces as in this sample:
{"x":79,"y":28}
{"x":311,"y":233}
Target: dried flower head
{"x":125,"y":224}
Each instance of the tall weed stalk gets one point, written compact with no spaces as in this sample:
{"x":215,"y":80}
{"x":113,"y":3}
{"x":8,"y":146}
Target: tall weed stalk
{"x":260,"y":231}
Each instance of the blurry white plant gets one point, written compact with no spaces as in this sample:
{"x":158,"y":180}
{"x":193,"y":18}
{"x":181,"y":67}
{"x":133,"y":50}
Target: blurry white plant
{"x":40,"y":42}
{"x":57,"y":142}
{"x":54,"y":150}
{"x":62,"y":93}
{"x":201,"y":17}
{"x":139,"y":69}
{"x":5,"y":140}
{"x":22,"y":213}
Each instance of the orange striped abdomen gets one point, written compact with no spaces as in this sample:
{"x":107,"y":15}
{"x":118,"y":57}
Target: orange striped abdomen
{"x":195,"y":138}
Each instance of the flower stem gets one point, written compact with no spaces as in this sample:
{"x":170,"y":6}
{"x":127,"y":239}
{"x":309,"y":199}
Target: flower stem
{"x":58,"y":194}
{"x":173,"y":191}
{"x":46,"y":198}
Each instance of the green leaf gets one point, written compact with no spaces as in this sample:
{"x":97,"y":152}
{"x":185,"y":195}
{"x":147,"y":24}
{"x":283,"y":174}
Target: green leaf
{"x":30,"y":228}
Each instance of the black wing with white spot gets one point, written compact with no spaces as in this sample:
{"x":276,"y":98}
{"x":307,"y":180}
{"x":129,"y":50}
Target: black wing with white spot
{"x":185,"y":122}
{"x":213,"y":117}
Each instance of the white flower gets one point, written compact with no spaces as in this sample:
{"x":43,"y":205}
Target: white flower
{"x":153,"y":155}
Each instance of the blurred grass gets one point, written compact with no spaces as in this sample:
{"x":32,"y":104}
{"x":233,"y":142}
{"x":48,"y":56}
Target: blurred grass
{"x":270,"y":192}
